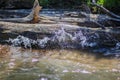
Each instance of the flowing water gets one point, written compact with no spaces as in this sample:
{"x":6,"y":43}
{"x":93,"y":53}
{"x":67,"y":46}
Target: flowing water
{"x":54,"y":64}
{"x":24,"y":12}
{"x":63,"y":56}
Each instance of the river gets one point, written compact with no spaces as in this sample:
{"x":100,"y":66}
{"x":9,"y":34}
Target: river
{"x":53,"y":64}
{"x":62,"y":56}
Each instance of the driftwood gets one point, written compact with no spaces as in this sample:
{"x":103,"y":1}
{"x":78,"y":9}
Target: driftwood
{"x":86,"y":19}
{"x":32,"y":17}
{"x":97,"y":20}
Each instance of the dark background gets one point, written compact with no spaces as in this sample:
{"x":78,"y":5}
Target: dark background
{"x":113,"y":5}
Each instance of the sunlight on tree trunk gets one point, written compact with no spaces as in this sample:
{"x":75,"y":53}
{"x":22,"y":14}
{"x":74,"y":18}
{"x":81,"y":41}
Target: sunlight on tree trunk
{"x":35,"y":12}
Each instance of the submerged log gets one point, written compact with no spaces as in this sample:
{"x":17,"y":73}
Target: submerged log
{"x":32,"y":17}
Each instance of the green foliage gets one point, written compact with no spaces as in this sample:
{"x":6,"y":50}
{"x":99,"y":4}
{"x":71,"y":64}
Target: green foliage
{"x":107,"y":3}
{"x":88,"y":2}
{"x":101,"y":2}
{"x":111,"y":3}
{"x":44,"y":2}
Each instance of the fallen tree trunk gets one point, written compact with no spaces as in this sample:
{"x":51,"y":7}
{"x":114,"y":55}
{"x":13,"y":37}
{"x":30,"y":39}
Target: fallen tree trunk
{"x":33,"y":17}
{"x":113,"y":18}
{"x":93,"y":20}
{"x":109,"y":13}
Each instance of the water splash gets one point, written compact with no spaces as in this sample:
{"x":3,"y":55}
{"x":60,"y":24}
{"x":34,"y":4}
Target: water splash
{"x":21,"y":40}
{"x":118,"y":45}
{"x":61,"y":38}
{"x":79,"y":39}
{"x":42,"y":42}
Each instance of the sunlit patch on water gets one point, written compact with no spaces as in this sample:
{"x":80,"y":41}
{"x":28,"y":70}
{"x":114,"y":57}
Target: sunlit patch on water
{"x":77,"y":71}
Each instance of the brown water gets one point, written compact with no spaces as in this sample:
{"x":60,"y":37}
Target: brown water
{"x":25,"y":64}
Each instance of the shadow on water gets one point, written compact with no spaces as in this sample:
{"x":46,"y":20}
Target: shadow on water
{"x":5,"y":34}
{"x":12,"y":14}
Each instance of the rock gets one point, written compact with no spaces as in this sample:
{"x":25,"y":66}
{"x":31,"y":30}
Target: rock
{"x":4,"y":51}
